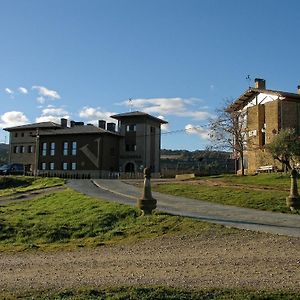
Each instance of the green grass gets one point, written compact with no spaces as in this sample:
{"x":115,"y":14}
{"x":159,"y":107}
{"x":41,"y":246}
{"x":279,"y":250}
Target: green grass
{"x":157,"y":293}
{"x":69,"y":219}
{"x":276,"y":180}
{"x":16,"y":184}
{"x":250,"y":195}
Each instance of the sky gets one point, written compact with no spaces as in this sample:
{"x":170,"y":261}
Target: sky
{"x":179,"y":60}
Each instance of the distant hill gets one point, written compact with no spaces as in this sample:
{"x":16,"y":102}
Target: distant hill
{"x":4,"y":149}
{"x":193,"y":155}
{"x":200,"y":162}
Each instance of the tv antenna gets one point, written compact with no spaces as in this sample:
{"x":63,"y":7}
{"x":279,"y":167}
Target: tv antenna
{"x":249,"y":80}
{"x":130,"y":104}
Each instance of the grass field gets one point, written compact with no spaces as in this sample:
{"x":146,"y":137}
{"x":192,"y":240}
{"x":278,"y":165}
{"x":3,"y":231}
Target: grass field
{"x":17,"y":184}
{"x":276,"y":180}
{"x":69,"y":219}
{"x":158,"y":293}
{"x":264,"y":191}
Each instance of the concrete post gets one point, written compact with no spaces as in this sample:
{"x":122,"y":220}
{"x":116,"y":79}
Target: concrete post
{"x":146,"y":203}
{"x":293,"y":200}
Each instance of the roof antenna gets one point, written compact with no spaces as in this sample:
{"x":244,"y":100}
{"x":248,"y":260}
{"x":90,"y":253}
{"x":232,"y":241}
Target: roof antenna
{"x":130,"y":104}
{"x":249,"y":80}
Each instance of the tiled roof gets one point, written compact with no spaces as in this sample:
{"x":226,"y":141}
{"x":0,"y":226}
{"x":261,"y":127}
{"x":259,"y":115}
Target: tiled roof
{"x":248,"y":95}
{"x":34,"y":126}
{"x":83,"y":129}
{"x":137,"y":114}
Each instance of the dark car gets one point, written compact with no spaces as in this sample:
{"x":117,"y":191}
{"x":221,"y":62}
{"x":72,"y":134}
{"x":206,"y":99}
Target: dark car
{"x":12,"y":169}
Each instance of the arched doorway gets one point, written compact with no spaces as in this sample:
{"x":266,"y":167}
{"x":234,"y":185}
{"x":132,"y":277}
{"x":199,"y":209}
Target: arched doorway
{"x":129,"y":167}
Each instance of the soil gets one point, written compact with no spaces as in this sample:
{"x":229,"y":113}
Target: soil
{"x":238,"y":260}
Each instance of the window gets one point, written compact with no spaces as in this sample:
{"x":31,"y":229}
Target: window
{"x":52,"y":149}
{"x":16,"y":149}
{"x":66,"y":148}
{"x":16,"y":134}
{"x":44,"y":149}
{"x":22,"y":134}
{"x":73,"y":166}
{"x":30,"y":149}
{"x":74,"y":148}
{"x":131,"y":128}
{"x":43,"y":166}
{"x":65,"y":166}
{"x":52,"y":166}
{"x":22,"y":149}
{"x":130,"y":147}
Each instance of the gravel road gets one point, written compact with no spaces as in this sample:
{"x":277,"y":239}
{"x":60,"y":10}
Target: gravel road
{"x":239,"y":260}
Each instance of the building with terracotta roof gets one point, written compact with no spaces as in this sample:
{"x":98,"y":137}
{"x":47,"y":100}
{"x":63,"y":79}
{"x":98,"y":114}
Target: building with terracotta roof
{"x":267,"y":112}
{"x":86,"y":150}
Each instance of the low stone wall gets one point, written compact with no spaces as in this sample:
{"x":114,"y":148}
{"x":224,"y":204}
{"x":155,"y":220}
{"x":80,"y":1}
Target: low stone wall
{"x":185,"y":176}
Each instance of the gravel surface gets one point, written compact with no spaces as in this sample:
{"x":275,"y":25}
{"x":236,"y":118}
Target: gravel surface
{"x":240,"y":260}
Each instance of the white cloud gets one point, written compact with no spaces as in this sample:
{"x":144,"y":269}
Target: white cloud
{"x":94,"y":114}
{"x":9,"y":91}
{"x":53,"y":114}
{"x":44,"y":92}
{"x":22,"y":90}
{"x":179,"y":107}
{"x":13,"y":118}
{"x":54,"y":111}
{"x":164,"y":127}
{"x":40,"y":100}
{"x":203,"y":133}
{"x":54,"y":119}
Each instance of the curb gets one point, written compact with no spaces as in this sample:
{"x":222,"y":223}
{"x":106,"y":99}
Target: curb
{"x":111,"y":191}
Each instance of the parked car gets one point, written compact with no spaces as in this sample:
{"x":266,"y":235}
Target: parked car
{"x":12,"y":169}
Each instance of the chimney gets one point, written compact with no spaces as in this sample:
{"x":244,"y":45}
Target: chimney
{"x":298,"y":88}
{"x":101,"y":124}
{"x":78,"y":123}
{"x":260,"y":83}
{"x":63,"y":123}
{"x":72,"y":123}
{"x":111,"y":127}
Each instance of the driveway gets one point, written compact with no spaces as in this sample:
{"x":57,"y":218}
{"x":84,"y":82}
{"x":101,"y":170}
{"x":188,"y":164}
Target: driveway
{"x":243,"y":218}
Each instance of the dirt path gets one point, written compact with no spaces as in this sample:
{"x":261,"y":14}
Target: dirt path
{"x":241,"y":260}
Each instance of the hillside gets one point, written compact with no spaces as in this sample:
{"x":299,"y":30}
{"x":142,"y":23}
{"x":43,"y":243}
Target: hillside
{"x":201,"y":162}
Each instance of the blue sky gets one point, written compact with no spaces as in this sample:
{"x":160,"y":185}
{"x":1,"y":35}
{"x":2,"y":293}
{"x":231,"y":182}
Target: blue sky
{"x":176,"y":59}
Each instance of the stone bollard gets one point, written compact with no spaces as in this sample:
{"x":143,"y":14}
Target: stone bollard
{"x":293,"y":200}
{"x":147,"y":204}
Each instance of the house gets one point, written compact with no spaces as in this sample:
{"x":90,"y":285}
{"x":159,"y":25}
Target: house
{"x":86,"y":150}
{"x":266,"y":113}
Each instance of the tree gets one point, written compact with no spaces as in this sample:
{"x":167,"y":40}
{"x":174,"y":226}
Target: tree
{"x":228,"y":132}
{"x":285,"y":147}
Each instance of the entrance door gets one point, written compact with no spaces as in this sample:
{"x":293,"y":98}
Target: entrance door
{"x":129,"y":168}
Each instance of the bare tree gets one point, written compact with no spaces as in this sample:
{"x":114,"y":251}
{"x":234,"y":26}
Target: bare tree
{"x":228,"y":132}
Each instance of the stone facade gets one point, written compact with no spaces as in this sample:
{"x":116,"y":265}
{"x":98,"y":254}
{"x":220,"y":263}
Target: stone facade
{"x":267,"y":112}
{"x":87,"y":150}
{"x":140,"y":143}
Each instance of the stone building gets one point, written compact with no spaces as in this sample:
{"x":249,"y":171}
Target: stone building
{"x":140,"y":141}
{"x":80,"y":150}
{"x":266,"y":112}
